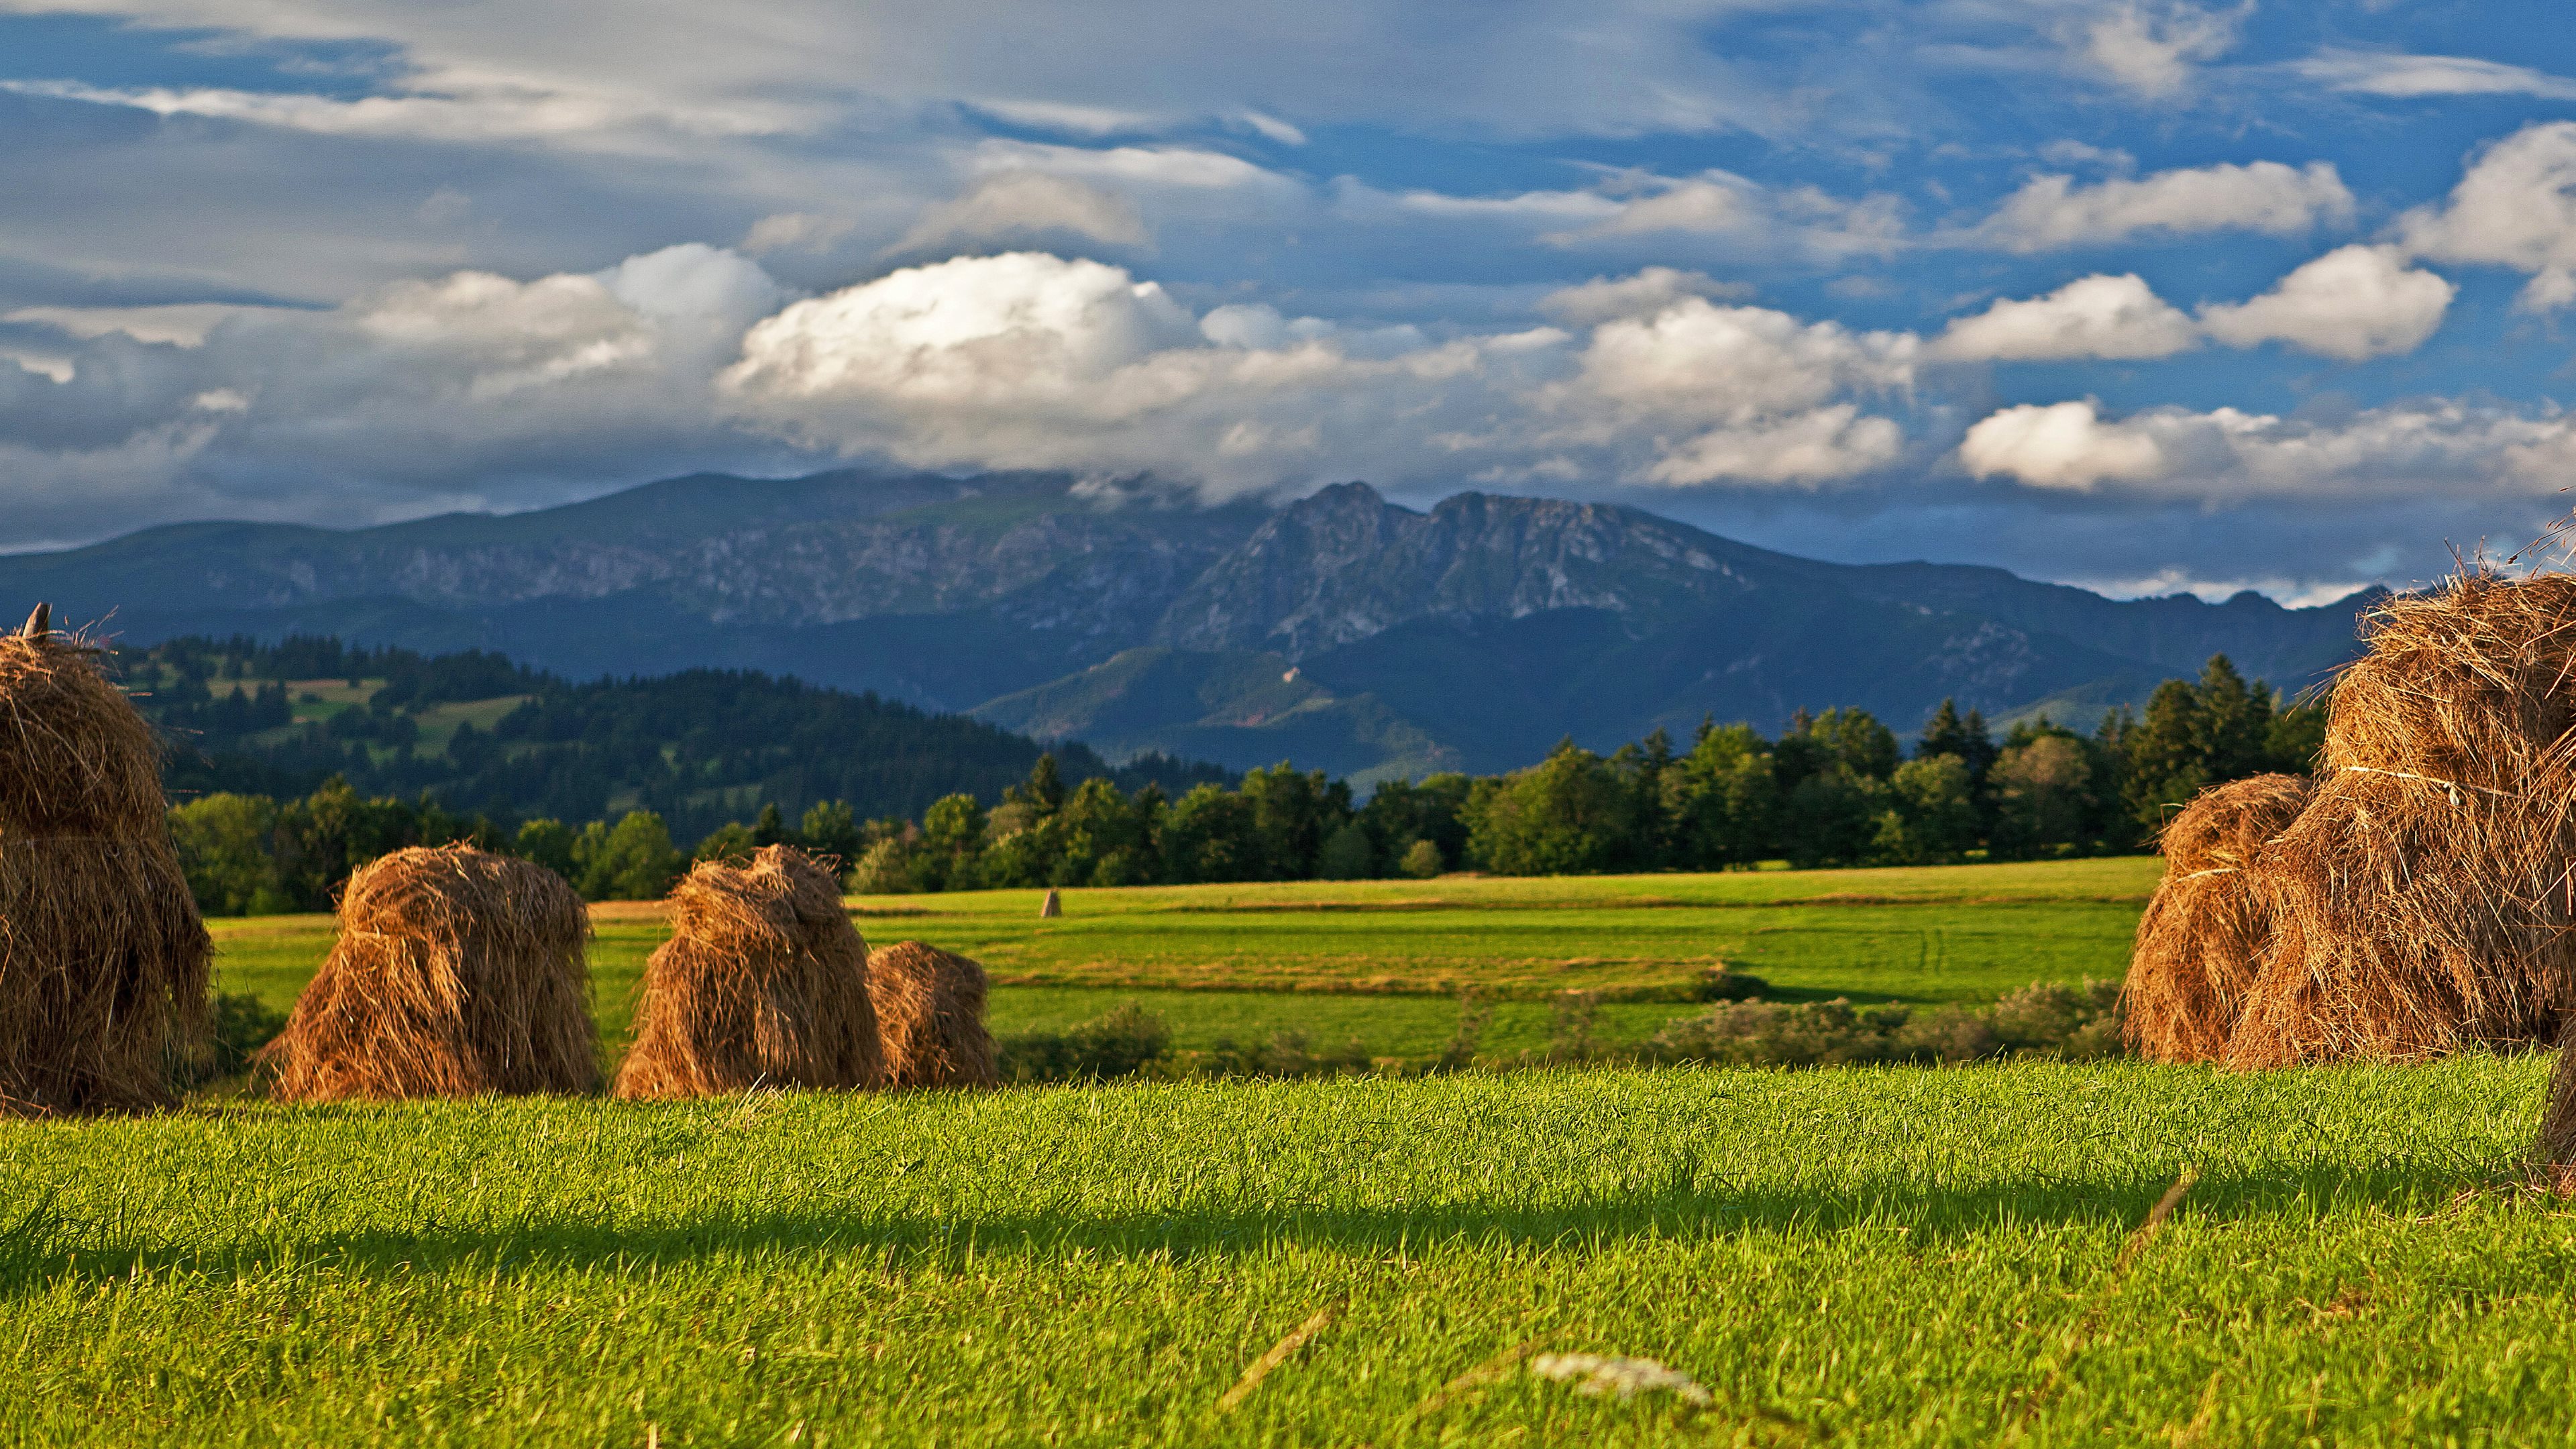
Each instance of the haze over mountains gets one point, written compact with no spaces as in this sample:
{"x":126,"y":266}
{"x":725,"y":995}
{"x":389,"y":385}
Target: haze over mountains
{"x":1340,"y":631}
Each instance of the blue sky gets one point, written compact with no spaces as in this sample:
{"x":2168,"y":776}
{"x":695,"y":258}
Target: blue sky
{"x":2145,"y":295}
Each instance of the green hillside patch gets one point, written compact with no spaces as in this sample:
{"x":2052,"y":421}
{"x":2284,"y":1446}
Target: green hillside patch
{"x":1869,"y":1257}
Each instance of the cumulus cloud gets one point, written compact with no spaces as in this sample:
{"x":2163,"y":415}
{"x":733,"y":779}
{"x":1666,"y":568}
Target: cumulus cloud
{"x":2100,"y":316}
{"x":1641,"y":293}
{"x":2151,"y":48}
{"x":2060,"y":445}
{"x":1032,"y":360}
{"x":2052,"y":211}
{"x":423,"y":394}
{"x":1023,"y":203}
{"x":2514,"y":207}
{"x":2353,"y":303}
{"x":2391,"y":454}
{"x":1736,"y":392}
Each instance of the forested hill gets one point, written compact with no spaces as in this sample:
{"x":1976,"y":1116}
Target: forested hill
{"x":478,"y":733}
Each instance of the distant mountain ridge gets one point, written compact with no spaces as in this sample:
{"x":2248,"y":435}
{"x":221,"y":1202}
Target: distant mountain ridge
{"x":1342,"y":631}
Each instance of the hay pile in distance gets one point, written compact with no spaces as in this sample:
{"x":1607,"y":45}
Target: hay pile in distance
{"x":104,"y":964}
{"x":930,"y":1017}
{"x":2201,"y":941}
{"x":764,"y":982}
{"x":457,"y":973}
{"x":2425,"y":901}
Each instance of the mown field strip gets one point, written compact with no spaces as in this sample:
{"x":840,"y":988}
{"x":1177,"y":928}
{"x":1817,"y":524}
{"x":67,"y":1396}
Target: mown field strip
{"x":1877,"y":1257}
{"x":1961,"y":933}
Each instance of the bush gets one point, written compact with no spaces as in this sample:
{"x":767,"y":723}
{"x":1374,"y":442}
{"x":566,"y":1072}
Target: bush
{"x":1718,"y":983}
{"x":885,"y":870}
{"x":2044,"y":1018}
{"x":1421,"y":860}
{"x":2077,"y":1022}
{"x":1114,"y":1044}
{"x":1283,"y":1053}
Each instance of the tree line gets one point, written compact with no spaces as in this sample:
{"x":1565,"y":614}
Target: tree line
{"x":1834,"y":788}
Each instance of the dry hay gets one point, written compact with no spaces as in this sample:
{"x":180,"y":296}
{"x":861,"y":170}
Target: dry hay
{"x":2424,"y":894}
{"x":2201,"y":940}
{"x":764,"y":982}
{"x":75,"y":757}
{"x":930,"y":1016}
{"x":103,"y":974}
{"x":103,"y":961}
{"x":457,"y":972}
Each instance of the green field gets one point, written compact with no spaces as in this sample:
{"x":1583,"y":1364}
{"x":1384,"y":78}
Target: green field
{"x":1382,"y":960}
{"x":1876,"y":1257}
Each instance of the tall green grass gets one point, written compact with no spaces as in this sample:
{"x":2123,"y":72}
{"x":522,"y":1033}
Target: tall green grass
{"x":1877,"y":1257}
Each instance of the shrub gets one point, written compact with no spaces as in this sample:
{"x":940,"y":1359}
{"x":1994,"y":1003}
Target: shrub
{"x":1719,"y":983}
{"x":2046,"y":1017}
{"x":1114,"y":1044}
{"x":884,"y":870}
{"x":1421,"y":860}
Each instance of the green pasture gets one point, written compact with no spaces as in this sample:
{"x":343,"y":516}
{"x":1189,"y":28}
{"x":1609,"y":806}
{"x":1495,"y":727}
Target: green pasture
{"x":1859,"y":1256}
{"x":1383,"y":960}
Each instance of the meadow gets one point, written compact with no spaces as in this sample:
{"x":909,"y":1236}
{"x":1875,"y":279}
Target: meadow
{"x":1382,"y":961}
{"x":1863,"y":1256}
{"x":2030,"y":1252}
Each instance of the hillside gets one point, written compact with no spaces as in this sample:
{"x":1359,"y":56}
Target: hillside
{"x":1341,"y":631}
{"x":478,"y":733}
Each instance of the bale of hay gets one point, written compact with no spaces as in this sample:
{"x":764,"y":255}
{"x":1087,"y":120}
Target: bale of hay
{"x":457,"y":973}
{"x":930,"y":1017}
{"x":2424,"y":894}
{"x":75,"y":757}
{"x":2201,"y":941}
{"x":764,"y":982}
{"x":104,"y":964}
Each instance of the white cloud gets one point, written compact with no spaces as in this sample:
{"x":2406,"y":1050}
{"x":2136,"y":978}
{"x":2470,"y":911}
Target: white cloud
{"x":1030,"y":360}
{"x":2151,"y":49}
{"x":796,"y":231}
{"x":2514,"y":207}
{"x":1273,"y":128}
{"x":1641,"y":293}
{"x":481,"y":115}
{"x":1021,"y":203}
{"x":2381,"y":73}
{"x":2399,"y":453}
{"x":2063,"y":445}
{"x":436,"y":392}
{"x":1734,"y":392}
{"x":1722,"y":204}
{"x":2353,"y":303}
{"x":2264,"y":196}
{"x":2099,"y":316}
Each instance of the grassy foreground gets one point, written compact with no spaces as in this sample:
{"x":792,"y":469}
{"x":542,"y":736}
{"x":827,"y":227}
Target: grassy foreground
{"x":1864,"y":1256}
{"x":1378,"y":959}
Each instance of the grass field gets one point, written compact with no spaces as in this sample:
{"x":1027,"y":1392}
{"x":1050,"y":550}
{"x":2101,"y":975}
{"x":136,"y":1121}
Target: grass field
{"x":1379,"y":960}
{"x":1874,"y":1257}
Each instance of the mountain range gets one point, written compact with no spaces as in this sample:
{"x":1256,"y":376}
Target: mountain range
{"x":1341,"y":631}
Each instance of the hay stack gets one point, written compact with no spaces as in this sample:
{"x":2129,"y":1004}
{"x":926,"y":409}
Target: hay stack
{"x":2424,"y":893}
{"x":103,"y":961}
{"x":457,"y":972}
{"x":2201,"y":940}
{"x":764,"y":982}
{"x":930,"y":1017}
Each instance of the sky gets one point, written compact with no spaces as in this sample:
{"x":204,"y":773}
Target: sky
{"x":2144,"y":295}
